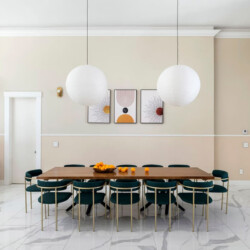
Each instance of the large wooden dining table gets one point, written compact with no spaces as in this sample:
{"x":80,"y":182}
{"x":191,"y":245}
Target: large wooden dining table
{"x":75,"y":173}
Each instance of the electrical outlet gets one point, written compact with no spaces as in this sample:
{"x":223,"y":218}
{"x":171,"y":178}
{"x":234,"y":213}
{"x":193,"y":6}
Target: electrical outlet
{"x":245,"y":144}
{"x":55,"y":144}
{"x":241,"y":171}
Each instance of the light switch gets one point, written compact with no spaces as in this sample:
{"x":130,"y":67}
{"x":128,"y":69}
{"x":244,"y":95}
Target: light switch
{"x":241,"y":171}
{"x":55,"y":144}
{"x":245,"y":144}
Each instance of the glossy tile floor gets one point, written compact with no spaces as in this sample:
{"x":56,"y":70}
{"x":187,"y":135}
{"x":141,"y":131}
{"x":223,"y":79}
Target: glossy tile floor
{"x":22,"y":231}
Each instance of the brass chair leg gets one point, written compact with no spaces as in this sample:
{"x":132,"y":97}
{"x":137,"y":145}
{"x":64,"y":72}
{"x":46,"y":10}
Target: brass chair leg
{"x":106,"y":200}
{"x":227,"y":196}
{"x":73,"y":209}
{"x":117,"y":215}
{"x":177,"y":204}
{"x":25,"y":186}
{"x":169,"y":212}
{"x":110,"y":212}
{"x":56,"y":206}
{"x":79,"y":210}
{"x":207,"y":208}
{"x":193,"y":207}
{"x":155,"y":210}
{"x":93,"y":202}
{"x":30,"y":200}
{"x":41,"y":210}
{"x":203,"y":210}
{"x":144,"y":200}
{"x":131,"y":212}
{"x":48,"y":210}
{"x":45,"y":212}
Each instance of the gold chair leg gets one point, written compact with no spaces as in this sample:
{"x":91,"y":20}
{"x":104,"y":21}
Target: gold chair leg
{"x":155,"y":210}
{"x":56,"y":207}
{"x":144,"y":200}
{"x":110,"y":212}
{"x":169,"y":213}
{"x":25,"y":186}
{"x":203,"y":210}
{"x":207,"y":209}
{"x":177,"y":204}
{"x":227,"y":196}
{"x":30,"y":200}
{"x":48,"y":210}
{"x":79,"y":210}
{"x":73,"y":209}
{"x":193,"y":208}
{"x":106,"y":200}
{"x":131,"y":212}
{"x":41,"y":210}
{"x":93,"y":202}
{"x":117,"y":211}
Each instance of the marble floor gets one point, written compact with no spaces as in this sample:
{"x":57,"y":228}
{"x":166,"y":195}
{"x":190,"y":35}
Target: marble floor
{"x":22,"y":231}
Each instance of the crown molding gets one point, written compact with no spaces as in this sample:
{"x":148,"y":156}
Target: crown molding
{"x":109,"y":31}
{"x":234,"y":33}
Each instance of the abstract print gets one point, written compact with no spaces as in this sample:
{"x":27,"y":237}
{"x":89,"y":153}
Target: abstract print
{"x":100,"y":113}
{"x":125,"y":106}
{"x":151,"y":107}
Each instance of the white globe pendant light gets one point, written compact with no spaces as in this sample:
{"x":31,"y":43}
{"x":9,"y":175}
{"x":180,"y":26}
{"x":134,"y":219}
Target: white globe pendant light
{"x":178,"y":85}
{"x":86,"y":84}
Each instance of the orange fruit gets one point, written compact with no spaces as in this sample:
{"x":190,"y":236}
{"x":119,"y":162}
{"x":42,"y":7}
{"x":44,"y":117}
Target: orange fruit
{"x":124,"y":170}
{"x":146,"y":169}
{"x":120,"y":169}
{"x":132,"y":170}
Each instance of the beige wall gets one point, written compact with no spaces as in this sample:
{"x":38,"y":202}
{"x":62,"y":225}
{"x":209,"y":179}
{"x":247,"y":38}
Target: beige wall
{"x":42,"y":64}
{"x":232,"y":105}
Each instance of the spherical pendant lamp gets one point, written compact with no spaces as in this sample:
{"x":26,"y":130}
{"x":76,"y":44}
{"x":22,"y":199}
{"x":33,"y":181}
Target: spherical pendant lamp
{"x":178,"y":85}
{"x":86,"y":84}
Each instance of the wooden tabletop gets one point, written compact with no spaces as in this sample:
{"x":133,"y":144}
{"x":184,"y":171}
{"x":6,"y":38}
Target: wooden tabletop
{"x":154,"y":173}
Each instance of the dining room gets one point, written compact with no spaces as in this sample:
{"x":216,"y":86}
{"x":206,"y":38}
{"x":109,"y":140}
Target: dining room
{"x":124,"y":124}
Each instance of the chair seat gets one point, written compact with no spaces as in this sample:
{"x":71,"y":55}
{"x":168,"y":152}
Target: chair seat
{"x":162,"y":198}
{"x":87,"y":198}
{"x":200,"y":198}
{"x":218,"y":189}
{"x":125,"y":198}
{"x":49,"y":198}
{"x":33,"y":188}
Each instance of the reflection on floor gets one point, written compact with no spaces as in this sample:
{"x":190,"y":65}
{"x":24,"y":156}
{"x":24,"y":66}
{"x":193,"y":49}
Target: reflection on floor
{"x":22,"y":231}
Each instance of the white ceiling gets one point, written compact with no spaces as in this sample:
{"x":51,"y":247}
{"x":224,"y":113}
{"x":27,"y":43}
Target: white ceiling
{"x":148,"y":13}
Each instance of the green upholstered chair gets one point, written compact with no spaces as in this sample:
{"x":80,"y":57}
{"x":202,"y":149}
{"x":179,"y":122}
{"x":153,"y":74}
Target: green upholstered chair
{"x":74,"y":166}
{"x":224,"y":178}
{"x":31,"y":188}
{"x":162,"y":195}
{"x":50,"y":194}
{"x":126,"y":165}
{"x":198,"y":196}
{"x":124,"y":193}
{"x":178,"y":166}
{"x":106,"y":180}
{"x":87,"y":194}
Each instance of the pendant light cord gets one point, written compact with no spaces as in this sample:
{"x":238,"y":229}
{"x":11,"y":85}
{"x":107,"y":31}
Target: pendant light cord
{"x":177,"y":38}
{"x":87,"y":42}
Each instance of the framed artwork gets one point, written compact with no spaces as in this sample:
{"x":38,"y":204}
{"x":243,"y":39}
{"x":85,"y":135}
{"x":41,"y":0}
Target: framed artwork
{"x":125,"y":106}
{"x":100,"y":113}
{"x":152,"y":111}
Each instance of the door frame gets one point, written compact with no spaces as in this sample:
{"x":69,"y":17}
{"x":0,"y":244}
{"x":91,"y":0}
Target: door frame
{"x":8,"y":98}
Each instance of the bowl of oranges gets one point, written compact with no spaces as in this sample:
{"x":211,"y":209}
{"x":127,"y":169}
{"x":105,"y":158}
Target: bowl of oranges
{"x":100,"y":167}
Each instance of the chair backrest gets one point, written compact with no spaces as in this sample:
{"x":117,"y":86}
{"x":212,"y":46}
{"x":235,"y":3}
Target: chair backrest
{"x":152,"y":166}
{"x":53,"y":185}
{"x":32,"y":173}
{"x":92,"y":165}
{"x":199,"y":185}
{"x":127,"y":165}
{"x":178,"y":166}
{"x":161,"y":185}
{"x":88,"y":185}
{"x":221,"y":174}
{"x":130,"y":186}
{"x":74,"y":165}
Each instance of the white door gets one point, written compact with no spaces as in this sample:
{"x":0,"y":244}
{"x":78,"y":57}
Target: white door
{"x":23,"y":137}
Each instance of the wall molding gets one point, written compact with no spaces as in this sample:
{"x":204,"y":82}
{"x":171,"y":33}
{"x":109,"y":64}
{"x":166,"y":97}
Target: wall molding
{"x":109,"y":31}
{"x":240,"y":33}
{"x":140,"y":135}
